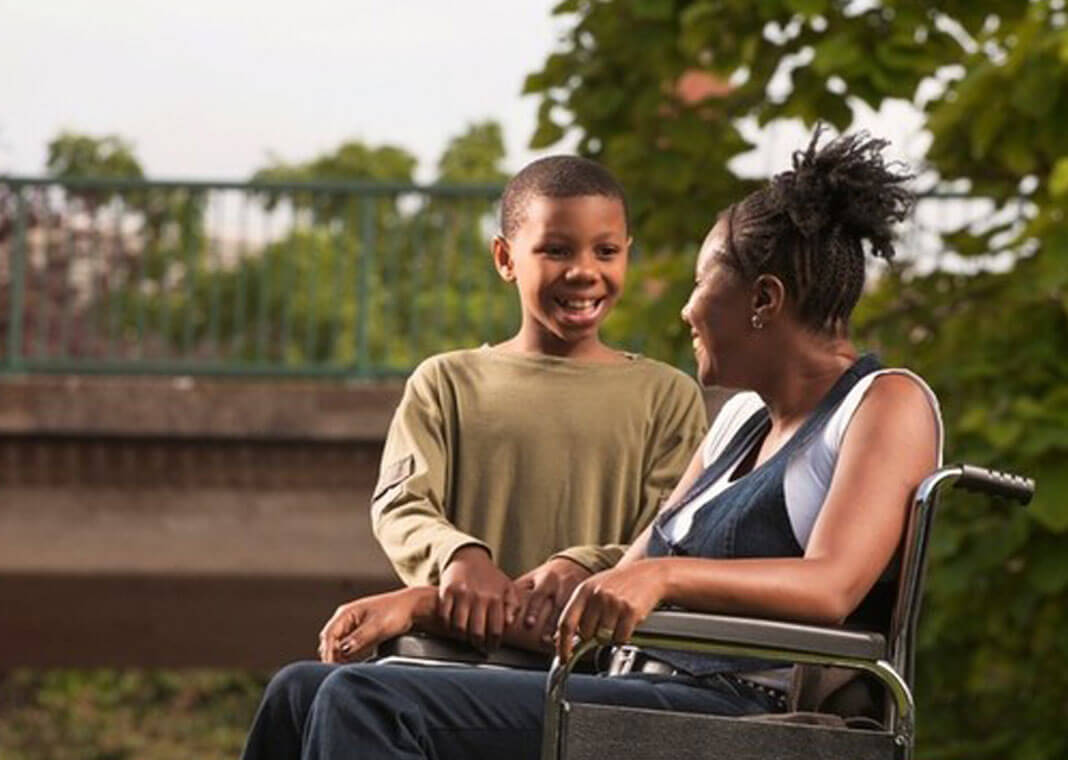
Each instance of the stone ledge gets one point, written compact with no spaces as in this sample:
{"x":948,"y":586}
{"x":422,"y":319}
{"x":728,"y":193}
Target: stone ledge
{"x":185,"y":407}
{"x":195,"y":407}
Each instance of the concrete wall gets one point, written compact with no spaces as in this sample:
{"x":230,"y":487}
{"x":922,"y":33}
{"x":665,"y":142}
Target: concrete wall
{"x":179,"y":522}
{"x":163,"y":521}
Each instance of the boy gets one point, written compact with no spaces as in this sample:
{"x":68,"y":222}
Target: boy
{"x":537,"y":458}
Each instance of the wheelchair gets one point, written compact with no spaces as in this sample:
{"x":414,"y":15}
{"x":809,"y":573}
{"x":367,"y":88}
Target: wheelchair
{"x":828,"y":660}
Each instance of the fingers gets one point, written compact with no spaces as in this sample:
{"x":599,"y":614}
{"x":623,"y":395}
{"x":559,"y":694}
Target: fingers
{"x":567,"y":628}
{"x":345,"y":619}
{"x":629,"y":619}
{"x":480,"y":616}
{"x":447,"y":600}
{"x":476,"y":622}
{"x":494,"y":624}
{"x":594,"y":613}
{"x":460,"y":613}
{"x":539,"y":605}
{"x":546,"y":621}
{"x":599,"y":618}
{"x":358,"y":645}
{"x":511,"y":604}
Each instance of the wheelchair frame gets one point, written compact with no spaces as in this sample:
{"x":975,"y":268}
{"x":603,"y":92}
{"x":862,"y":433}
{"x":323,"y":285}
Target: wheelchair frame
{"x":889,"y":658}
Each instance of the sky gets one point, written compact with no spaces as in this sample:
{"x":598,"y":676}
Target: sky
{"x":211,"y":89}
{"x":214,"y":89}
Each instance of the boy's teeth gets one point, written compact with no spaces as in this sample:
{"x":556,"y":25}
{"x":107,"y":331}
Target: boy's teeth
{"x":574,"y":303}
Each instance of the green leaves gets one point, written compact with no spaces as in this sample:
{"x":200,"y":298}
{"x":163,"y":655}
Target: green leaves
{"x":657,"y":10}
{"x":352,"y":160}
{"x":548,"y":132}
{"x":1058,"y":178}
{"x":474,"y":156}
{"x":1050,"y":507}
{"x":73,"y":154}
{"x":808,"y":7}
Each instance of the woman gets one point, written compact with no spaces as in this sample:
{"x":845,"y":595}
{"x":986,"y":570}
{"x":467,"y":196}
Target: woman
{"x":791,"y":509}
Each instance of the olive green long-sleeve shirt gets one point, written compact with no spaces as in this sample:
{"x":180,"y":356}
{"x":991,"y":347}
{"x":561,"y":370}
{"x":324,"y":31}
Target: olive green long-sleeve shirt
{"x":530,"y":456}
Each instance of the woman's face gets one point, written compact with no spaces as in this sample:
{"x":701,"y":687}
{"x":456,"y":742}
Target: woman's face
{"x":718,"y":312}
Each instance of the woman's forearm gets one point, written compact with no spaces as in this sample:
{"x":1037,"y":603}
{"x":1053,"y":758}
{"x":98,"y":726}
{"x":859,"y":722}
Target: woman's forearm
{"x":802,"y":589}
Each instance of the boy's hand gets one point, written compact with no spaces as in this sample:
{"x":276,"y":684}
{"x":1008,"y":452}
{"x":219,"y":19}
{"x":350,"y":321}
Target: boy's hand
{"x":477,"y":600}
{"x":548,"y":587}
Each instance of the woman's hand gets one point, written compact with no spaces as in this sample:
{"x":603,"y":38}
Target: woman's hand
{"x":357,"y":627}
{"x":547,"y":588}
{"x":478,"y":601}
{"x":609,"y":605}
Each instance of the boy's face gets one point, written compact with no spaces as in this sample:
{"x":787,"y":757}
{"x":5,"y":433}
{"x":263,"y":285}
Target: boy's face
{"x":568,"y":258}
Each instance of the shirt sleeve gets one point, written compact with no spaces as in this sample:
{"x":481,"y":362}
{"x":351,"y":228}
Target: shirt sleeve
{"x":678,"y":427}
{"x":408,"y":508}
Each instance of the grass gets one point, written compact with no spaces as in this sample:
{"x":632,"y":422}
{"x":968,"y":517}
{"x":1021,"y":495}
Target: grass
{"x":126,"y":714}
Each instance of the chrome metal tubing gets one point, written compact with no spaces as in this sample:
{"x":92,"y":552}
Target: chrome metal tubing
{"x":555,"y":704}
{"x":913,"y":565}
{"x":904,"y":714}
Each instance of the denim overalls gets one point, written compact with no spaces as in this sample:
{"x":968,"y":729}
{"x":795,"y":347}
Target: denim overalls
{"x":749,"y":519}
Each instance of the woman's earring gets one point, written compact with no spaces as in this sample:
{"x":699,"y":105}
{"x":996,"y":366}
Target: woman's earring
{"x":755,"y":322}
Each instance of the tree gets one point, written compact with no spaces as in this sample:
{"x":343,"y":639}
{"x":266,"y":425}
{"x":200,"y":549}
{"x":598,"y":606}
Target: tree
{"x":75,"y":154}
{"x":988,"y":325}
{"x":474,"y":156}
{"x":382,"y":278}
{"x":67,"y":223}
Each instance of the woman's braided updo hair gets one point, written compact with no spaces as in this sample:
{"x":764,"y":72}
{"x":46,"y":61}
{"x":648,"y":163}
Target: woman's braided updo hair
{"x":808,"y":225}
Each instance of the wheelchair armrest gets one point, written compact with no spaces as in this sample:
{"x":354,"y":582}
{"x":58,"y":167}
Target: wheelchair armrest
{"x":765,"y":634}
{"x":431,"y":650}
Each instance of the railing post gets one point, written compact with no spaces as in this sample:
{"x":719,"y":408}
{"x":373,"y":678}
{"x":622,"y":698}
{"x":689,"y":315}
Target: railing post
{"x":17,"y":284}
{"x":191,"y":250}
{"x":366,"y":260}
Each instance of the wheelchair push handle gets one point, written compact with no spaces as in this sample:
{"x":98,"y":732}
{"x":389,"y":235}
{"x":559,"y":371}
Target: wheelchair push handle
{"x":995,"y":483}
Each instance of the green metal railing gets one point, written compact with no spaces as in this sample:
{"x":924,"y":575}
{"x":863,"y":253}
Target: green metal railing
{"x":330,"y":279}
{"x":327,"y":279}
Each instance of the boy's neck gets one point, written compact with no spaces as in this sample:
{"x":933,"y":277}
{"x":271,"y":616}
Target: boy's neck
{"x":589,"y":349}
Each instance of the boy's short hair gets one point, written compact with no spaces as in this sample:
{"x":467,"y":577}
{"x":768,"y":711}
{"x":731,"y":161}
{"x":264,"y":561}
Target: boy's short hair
{"x":556,"y":177}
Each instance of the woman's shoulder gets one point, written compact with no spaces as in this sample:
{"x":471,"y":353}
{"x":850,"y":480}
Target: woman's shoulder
{"x":894,"y":387}
{"x":891,"y":393}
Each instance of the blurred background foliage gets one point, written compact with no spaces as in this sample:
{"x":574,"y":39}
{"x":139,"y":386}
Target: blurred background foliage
{"x":986,"y":321}
{"x":126,"y":715}
{"x":341,"y":276}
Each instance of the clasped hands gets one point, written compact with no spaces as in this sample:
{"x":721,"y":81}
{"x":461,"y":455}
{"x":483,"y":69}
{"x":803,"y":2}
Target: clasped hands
{"x":559,"y":601}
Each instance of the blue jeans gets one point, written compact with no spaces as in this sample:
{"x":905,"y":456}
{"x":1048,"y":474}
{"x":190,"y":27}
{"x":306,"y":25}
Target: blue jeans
{"x":366,"y":711}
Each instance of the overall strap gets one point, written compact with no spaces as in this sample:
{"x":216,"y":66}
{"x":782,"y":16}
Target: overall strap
{"x":756,"y":426}
{"x":815,"y":422}
{"x":743,"y":440}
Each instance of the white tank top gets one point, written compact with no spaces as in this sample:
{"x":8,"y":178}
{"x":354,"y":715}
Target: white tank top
{"x":809,"y":471}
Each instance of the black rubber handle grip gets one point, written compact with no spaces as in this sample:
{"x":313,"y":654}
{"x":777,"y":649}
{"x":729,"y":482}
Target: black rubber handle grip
{"x":995,"y":483}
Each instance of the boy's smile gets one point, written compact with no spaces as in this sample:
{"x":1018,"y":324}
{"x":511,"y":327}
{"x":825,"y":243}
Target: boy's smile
{"x":568,"y":257}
